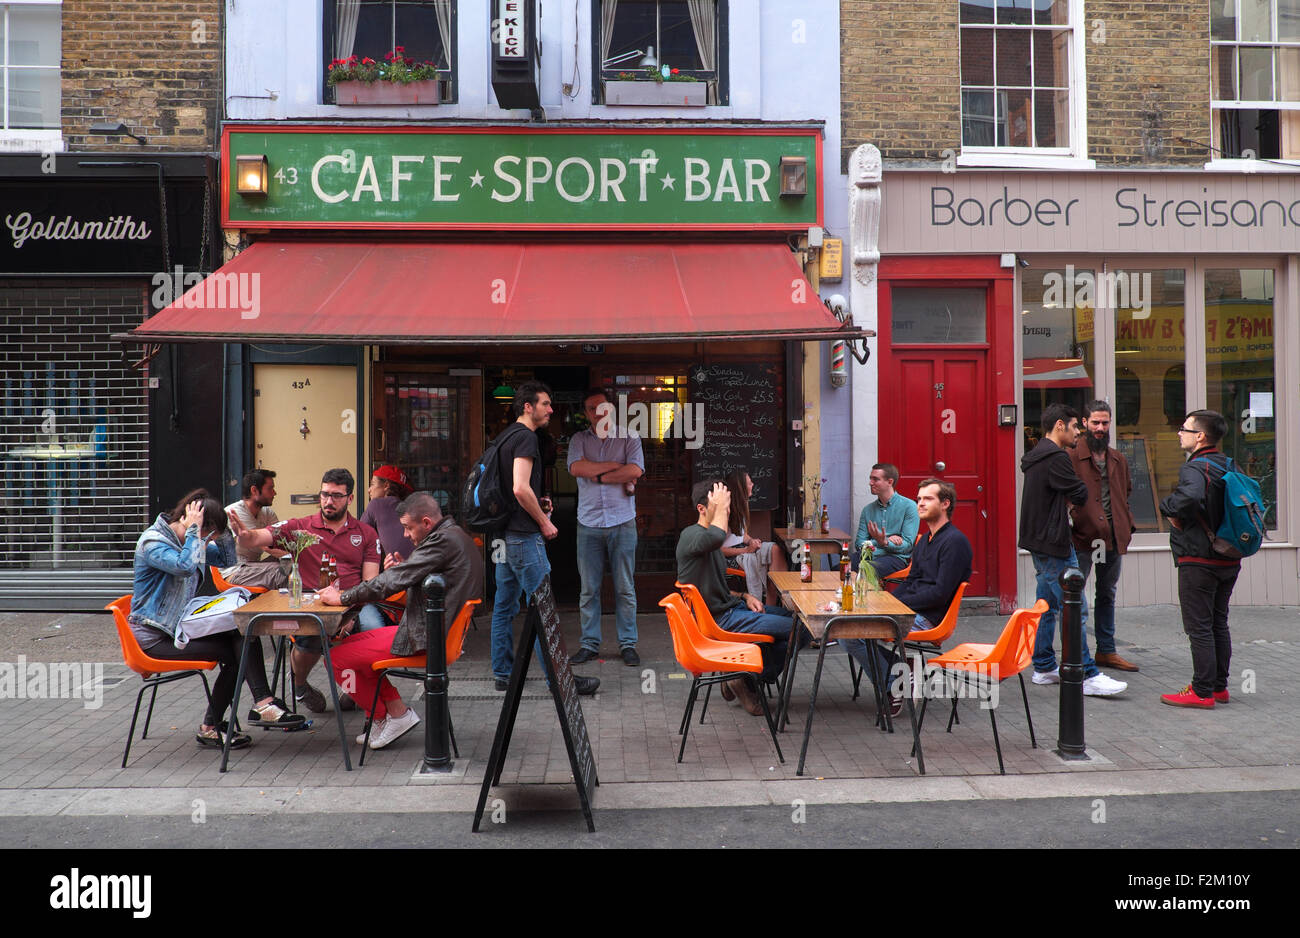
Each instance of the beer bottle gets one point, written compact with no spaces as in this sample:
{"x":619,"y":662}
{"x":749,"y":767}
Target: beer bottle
{"x":826,"y":521}
{"x":334,"y":570}
{"x":805,"y":565}
{"x":846,"y":580}
{"x":323,"y":577}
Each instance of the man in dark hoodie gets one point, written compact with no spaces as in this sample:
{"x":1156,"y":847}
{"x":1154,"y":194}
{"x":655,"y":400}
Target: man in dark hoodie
{"x":1051,"y":485}
{"x":1205,"y":579}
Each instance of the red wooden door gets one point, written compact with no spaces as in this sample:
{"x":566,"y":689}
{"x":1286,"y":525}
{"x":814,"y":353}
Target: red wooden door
{"x":935,"y":411}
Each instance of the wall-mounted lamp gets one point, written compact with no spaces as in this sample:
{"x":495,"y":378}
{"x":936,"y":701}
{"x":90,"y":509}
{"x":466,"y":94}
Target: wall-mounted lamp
{"x":250,"y":174}
{"x":794,"y":176}
{"x":1006,"y":415}
{"x":114,"y":129}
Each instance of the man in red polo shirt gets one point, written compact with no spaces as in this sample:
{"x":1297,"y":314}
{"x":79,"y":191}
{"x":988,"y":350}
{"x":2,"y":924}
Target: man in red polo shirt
{"x":354,"y":546}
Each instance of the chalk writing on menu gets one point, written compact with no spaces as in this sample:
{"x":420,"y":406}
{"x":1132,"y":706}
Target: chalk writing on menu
{"x":743,"y":415}
{"x":570,"y":710}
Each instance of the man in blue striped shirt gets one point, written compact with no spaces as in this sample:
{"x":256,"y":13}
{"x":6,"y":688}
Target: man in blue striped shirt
{"x":889,"y":524}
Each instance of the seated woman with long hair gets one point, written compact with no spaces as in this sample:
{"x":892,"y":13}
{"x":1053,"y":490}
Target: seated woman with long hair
{"x":170,"y":557}
{"x":748,"y":553}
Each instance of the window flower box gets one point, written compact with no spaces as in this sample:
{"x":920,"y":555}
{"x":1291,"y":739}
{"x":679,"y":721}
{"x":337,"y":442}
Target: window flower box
{"x":348,"y":93}
{"x":657,"y":94}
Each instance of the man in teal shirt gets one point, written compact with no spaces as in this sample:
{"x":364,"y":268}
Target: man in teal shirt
{"x":889,"y":524}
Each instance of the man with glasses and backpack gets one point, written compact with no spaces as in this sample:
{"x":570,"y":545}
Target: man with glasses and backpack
{"x":1215,"y":519}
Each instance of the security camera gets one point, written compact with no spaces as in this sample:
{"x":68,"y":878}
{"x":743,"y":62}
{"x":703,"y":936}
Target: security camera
{"x":838,"y":304}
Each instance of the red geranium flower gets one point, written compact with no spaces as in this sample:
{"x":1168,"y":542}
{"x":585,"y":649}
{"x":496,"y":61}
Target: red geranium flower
{"x":674,"y":71}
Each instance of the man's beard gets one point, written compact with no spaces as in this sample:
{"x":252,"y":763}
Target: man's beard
{"x":334,"y":514}
{"x":1096,"y":445}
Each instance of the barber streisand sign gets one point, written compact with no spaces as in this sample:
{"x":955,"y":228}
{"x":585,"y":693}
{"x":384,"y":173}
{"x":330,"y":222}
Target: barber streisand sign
{"x":522,"y":178}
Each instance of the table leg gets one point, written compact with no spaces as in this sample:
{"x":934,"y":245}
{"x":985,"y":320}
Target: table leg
{"x":812,"y":702}
{"x":234,"y":700}
{"x":334,"y":696}
{"x":911,"y":707}
{"x":787,"y":679}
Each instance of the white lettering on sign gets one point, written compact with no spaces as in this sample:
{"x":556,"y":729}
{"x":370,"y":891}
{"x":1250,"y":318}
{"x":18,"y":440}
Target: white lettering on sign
{"x":399,"y":177}
{"x":22,"y":228}
{"x":510,"y":31}
{"x":439,"y":177}
{"x":559,"y":179}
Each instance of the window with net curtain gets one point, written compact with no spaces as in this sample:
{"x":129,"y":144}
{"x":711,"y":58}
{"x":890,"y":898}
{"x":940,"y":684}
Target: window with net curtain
{"x":375,"y":27}
{"x":1255,"y":78}
{"x":682,"y":34}
{"x":30,"y":52}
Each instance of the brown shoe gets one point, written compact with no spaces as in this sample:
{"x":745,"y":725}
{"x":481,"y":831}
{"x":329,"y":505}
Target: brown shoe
{"x":748,"y":699}
{"x":1112,"y":660}
{"x":727,"y":692}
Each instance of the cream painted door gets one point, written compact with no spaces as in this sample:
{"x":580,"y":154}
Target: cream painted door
{"x":305,"y":421}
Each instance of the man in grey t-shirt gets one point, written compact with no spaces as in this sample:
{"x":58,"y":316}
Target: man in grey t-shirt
{"x":254,"y":511}
{"x":606,"y":460}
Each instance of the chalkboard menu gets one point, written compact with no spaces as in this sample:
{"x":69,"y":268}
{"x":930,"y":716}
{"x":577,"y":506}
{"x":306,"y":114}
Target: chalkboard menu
{"x":1142,"y":501}
{"x":542,"y":626}
{"x":743,"y":412}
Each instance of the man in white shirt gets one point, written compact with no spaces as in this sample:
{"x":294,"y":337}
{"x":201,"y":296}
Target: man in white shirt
{"x":254,"y":511}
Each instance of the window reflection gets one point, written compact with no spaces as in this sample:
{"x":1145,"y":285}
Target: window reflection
{"x":1239,"y":368}
{"x":1060,"y":357}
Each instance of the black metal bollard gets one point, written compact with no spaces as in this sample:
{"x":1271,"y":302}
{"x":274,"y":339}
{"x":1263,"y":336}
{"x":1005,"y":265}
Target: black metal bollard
{"x":437,"y":725}
{"x":1069,"y":739}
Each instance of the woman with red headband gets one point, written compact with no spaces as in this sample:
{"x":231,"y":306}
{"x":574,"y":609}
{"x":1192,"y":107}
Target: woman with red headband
{"x":388,"y":486}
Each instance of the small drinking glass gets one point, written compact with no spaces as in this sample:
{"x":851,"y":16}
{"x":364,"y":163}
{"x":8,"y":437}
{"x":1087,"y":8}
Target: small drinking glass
{"x":789,"y":518}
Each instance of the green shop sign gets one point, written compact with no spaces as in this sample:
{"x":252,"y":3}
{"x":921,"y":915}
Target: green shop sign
{"x":512,"y":178}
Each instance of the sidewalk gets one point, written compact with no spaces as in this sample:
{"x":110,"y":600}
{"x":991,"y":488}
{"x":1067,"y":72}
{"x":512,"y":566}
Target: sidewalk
{"x":57,"y":756}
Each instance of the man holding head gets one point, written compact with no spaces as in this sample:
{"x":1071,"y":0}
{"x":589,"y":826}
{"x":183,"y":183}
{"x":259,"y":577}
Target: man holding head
{"x":1103,"y":525}
{"x":1051,"y":484}
{"x":528,"y":529}
{"x":355,"y":549}
{"x":700,"y":563}
{"x":941,"y":562}
{"x":254,"y":511}
{"x":440,"y":547}
{"x":889,"y":524}
{"x":1205,"y":578}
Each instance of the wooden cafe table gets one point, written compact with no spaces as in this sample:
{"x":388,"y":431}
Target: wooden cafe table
{"x":884,"y":618}
{"x":269,"y":614}
{"x":818,"y":543}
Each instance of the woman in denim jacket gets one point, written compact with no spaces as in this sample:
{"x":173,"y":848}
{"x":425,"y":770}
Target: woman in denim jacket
{"x":169,"y":560}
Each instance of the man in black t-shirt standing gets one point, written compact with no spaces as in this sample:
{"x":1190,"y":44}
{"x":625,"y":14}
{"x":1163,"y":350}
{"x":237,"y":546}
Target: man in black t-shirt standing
{"x":527,"y":530}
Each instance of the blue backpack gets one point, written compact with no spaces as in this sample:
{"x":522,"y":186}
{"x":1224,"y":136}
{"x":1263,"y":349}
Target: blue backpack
{"x":484,"y":503}
{"x":1242,"y":530}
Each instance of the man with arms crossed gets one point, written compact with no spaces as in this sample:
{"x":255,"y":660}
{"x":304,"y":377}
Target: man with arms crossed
{"x":606,"y":460}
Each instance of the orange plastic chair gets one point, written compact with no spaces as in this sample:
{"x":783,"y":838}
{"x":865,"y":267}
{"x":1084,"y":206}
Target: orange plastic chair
{"x":927,"y":641}
{"x":721,"y":661}
{"x":413,"y":667}
{"x":153,"y":671}
{"x":706,"y":624}
{"x":222,"y":584}
{"x":976,"y":662}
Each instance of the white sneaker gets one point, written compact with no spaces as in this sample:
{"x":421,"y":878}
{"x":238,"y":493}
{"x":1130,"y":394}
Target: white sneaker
{"x":1048,"y":677}
{"x":394,"y":728}
{"x":374,"y":731}
{"x":1099,"y":685}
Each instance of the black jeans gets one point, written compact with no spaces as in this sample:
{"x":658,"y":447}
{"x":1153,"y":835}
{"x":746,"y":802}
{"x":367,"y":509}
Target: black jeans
{"x":1203,"y":593}
{"x":224,"y":648}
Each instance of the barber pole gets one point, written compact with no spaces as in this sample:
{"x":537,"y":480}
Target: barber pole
{"x":839,"y":374}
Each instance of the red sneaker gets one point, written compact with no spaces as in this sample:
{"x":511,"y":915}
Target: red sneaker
{"x":1221,"y":696}
{"x":1188,"y":698}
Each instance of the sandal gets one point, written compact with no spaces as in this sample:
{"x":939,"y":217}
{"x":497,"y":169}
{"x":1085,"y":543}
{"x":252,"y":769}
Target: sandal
{"x":213,"y":738}
{"x":275,"y":714}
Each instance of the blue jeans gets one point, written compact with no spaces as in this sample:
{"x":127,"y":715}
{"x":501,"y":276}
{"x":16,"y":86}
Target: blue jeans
{"x":526,"y":565}
{"x":774,"y":621}
{"x":1103,"y":610}
{"x":858,"y":648}
{"x":614,"y":549}
{"x":1049,"y":570}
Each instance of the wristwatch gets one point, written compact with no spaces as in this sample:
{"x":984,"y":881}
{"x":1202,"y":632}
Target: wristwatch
{"x":600,"y":478}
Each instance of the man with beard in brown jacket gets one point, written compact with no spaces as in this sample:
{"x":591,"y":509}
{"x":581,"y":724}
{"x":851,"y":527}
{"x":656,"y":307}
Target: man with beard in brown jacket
{"x":1103,"y":525}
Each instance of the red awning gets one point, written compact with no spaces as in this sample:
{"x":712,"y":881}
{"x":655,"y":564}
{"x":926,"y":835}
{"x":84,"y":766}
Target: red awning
{"x":1056,"y":373}
{"x":484,"y":293}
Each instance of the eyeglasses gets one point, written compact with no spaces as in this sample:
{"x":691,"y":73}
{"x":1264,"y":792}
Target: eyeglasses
{"x":333,"y":496}
{"x":1188,"y":430}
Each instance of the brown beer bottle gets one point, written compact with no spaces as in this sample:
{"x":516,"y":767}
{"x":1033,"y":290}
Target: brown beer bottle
{"x":805,"y":565}
{"x":323,"y":577}
{"x":334,"y":570}
{"x":826,"y":521}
